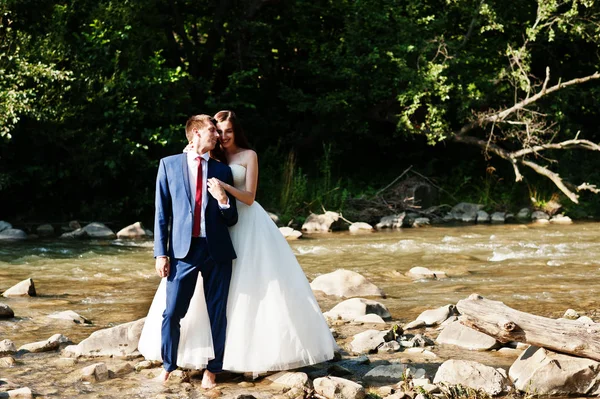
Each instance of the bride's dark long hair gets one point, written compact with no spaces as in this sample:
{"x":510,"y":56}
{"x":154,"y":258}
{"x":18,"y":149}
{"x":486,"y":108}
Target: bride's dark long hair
{"x":239,"y":138}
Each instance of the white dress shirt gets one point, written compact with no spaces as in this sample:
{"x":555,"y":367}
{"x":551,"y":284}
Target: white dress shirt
{"x":193,"y":174}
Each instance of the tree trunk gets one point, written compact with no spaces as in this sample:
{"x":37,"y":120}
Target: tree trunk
{"x":506,"y":324}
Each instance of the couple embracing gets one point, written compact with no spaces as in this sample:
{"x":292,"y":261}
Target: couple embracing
{"x":233,"y":296}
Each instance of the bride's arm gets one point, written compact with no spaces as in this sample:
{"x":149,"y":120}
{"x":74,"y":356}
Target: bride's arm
{"x":246,"y":196}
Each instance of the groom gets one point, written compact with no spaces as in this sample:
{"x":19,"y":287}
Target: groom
{"x":191,"y":236}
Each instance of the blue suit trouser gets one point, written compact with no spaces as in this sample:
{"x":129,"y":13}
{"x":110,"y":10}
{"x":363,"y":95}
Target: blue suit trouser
{"x":181,"y":284}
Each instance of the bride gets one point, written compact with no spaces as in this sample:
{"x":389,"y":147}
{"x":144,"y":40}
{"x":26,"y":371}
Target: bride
{"x":273,"y":319}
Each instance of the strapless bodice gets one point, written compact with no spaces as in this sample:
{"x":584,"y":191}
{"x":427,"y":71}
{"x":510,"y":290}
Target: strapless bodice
{"x":239,"y":176}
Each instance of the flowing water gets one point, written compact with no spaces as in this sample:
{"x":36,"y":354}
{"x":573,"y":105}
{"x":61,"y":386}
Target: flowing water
{"x":539,"y":269}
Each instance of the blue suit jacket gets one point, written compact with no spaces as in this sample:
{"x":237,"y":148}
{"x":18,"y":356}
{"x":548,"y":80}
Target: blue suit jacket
{"x":174,"y":207}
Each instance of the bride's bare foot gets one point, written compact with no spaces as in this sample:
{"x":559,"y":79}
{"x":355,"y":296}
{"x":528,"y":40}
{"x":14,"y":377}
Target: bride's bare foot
{"x":208,"y":380}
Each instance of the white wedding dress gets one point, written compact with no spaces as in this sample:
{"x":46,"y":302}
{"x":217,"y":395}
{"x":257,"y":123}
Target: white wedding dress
{"x":273,"y":319}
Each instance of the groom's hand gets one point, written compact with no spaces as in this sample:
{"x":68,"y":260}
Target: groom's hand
{"x":216,"y":190}
{"x":163,"y":266}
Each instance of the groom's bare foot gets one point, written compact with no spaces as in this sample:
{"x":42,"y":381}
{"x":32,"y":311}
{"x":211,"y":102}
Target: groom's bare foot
{"x":208,"y":381}
{"x":164,"y":376}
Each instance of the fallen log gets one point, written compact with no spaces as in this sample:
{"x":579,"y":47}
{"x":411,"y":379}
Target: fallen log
{"x":506,"y":324}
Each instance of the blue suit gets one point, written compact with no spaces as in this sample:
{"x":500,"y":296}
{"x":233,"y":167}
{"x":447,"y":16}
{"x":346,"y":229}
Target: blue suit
{"x":211,"y":256}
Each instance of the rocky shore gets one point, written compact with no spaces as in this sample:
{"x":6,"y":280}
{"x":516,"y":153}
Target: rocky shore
{"x":437,"y":355}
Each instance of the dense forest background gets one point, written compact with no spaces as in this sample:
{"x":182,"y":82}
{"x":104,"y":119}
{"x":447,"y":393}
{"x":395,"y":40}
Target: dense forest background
{"x":337,"y":97}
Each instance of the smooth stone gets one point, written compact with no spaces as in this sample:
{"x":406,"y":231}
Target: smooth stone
{"x":7,"y":347}
{"x":118,"y":341}
{"x":415,"y":324}
{"x":66,"y":362}
{"x":122,"y":369}
{"x":421,"y":222}
{"x":389,"y":347}
{"x":25,"y":287}
{"x":549,"y":373}
{"x":370,"y":318}
{"x":345,"y":283}
{"x":6,"y":312}
{"x":421,"y":351}
{"x":571,"y":314}
{"x":350,"y":309}
{"x":418,"y":340}
{"x":135,"y":230}
{"x":585,"y":320}
{"x":469,"y":217}
{"x":386,"y":374}
{"x":524,"y":214}
{"x":21,"y":393}
{"x":391,"y":222}
{"x":290,"y":234}
{"x":539,"y":215}
{"x":99,"y":230}
{"x":69,"y":315}
{"x":338,"y":388}
{"x":420,"y":272}
{"x":436,"y":316}
{"x":462,"y":336}
{"x":290,"y":379}
{"x":338,"y":371}
{"x":320,"y":223}
{"x":498,"y":217}
{"x":97,"y":372}
{"x":367,"y":341}
{"x":360,"y":227}
{"x":473,"y":375}
{"x":7,"y":361}
{"x":13,"y":234}
{"x":144,"y":365}
{"x":45,"y":230}
{"x":48,"y":345}
{"x":483,"y":217}
{"x":4,"y":226}
{"x":561,"y":219}
{"x":75,"y":234}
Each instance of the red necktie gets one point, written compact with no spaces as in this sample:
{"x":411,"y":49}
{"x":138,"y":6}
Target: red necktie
{"x":198,"y":201}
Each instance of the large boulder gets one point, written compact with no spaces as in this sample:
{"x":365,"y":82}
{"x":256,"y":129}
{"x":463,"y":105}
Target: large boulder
{"x":473,"y":375}
{"x":45,"y":230}
{"x":13,"y":234}
{"x":356,"y":307}
{"x":98,"y":230}
{"x":24,"y":288}
{"x":549,"y":373}
{"x":6,"y":312}
{"x":320,"y":223}
{"x":368,"y":341}
{"x":338,"y":388}
{"x":345,"y":283}
{"x":118,"y":341}
{"x":135,"y":230}
{"x":360,"y":227}
{"x":289,"y":233}
{"x":462,"y":336}
{"x":436,"y":316}
{"x":4,"y":225}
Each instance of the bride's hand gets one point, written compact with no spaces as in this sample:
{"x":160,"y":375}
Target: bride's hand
{"x":188,"y":148}
{"x":215,"y":188}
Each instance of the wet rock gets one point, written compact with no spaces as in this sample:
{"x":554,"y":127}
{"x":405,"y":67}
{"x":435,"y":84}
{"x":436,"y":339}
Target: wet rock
{"x":135,"y":230}
{"x":351,"y":309}
{"x":483,"y":217}
{"x":561,"y":219}
{"x":360,"y":227}
{"x":75,"y":234}
{"x":289,"y":233}
{"x":370,"y":319}
{"x":421,"y":222}
{"x":290,"y":379}
{"x":386,"y":374}
{"x":45,"y":230}
{"x":338,"y":371}
{"x":51,"y":344}
{"x":549,"y":373}
{"x":415,"y":324}
{"x":473,"y":375}
{"x":338,"y":388}
{"x":7,"y":362}
{"x":97,"y":372}
{"x":25,"y":287}
{"x":415,"y":341}
{"x":469,"y":217}
{"x":99,"y":230}
{"x":389,"y":347}
{"x":462,"y":336}
{"x":21,"y":393}
{"x":391,"y":222}
{"x":498,"y":217}
{"x":436,"y":316}
{"x":524,"y":214}
{"x":119,"y":341}
{"x":69,"y":315}
{"x":13,"y":234}
{"x":320,"y":223}
{"x":367,"y":341}
{"x":539,"y":215}
{"x":425,"y":273}
{"x":570,"y":314}
{"x":4,"y":226}
{"x":345,"y":283}
{"x":7,"y":347}
{"x":6,"y":312}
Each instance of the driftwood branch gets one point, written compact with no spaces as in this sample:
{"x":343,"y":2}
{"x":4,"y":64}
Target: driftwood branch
{"x":507,"y":324}
{"x":395,"y":180}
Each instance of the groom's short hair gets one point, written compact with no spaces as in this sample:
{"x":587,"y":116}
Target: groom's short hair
{"x":197,"y":122}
